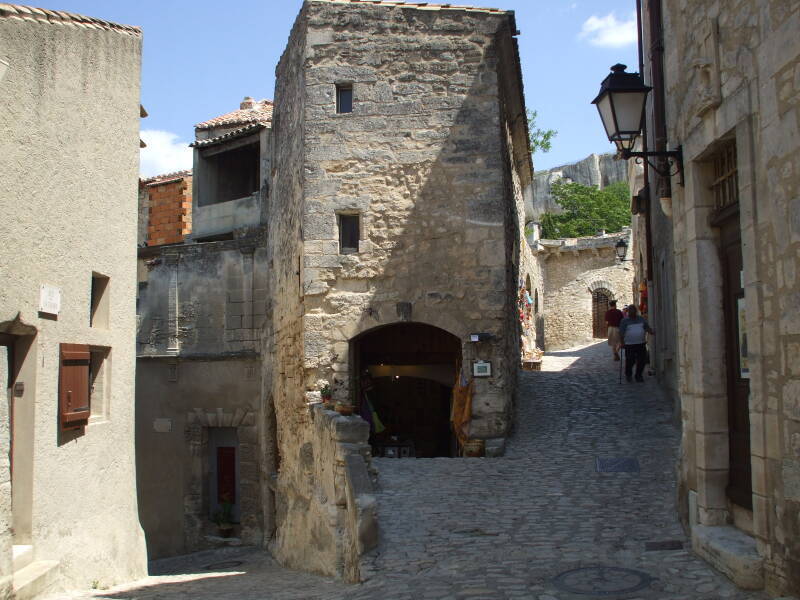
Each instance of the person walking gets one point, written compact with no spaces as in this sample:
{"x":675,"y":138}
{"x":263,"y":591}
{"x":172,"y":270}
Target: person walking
{"x":632,"y":329}
{"x":613,"y":318}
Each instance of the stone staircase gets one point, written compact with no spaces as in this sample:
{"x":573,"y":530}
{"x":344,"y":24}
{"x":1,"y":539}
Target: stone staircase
{"x":32,"y":578}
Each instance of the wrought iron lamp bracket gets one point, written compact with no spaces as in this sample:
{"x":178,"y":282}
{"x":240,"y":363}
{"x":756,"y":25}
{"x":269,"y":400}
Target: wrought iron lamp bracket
{"x":674,"y":161}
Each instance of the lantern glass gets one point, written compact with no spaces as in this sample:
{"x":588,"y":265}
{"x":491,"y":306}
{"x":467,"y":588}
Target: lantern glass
{"x":622,"y":249}
{"x":607,"y":116}
{"x":628,"y":110}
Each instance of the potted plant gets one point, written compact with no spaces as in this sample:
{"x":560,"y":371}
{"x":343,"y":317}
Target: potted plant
{"x":223,"y":518}
{"x":344,"y":407}
{"x":327,"y":395}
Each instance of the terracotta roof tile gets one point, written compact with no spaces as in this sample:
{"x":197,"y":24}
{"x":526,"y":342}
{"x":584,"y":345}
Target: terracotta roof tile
{"x":59,"y":17}
{"x":250,"y":111}
{"x":419,"y":5}
{"x":165,"y":177}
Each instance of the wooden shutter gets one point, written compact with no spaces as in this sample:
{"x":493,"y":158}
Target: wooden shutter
{"x":73,"y":386}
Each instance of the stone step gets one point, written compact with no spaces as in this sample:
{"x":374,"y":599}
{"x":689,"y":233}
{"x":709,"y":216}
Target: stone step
{"x":732,"y":552}
{"x":23,"y":556}
{"x":35,"y":579}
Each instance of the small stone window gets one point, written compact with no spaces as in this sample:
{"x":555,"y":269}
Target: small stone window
{"x":344,"y":97}
{"x":348,"y":233}
{"x":99,"y":302}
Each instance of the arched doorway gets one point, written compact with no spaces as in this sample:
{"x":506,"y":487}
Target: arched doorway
{"x":600,"y":299}
{"x":411,"y":369}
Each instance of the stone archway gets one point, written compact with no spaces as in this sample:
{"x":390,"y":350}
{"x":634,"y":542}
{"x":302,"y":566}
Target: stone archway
{"x":412,"y":368}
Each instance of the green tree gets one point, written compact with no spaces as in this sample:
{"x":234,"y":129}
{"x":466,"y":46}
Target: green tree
{"x":540,"y":139}
{"x":587,"y":210}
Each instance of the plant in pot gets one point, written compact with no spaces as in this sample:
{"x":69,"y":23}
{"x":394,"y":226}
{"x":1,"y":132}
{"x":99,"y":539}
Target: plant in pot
{"x":327,"y":395}
{"x":223,"y":518}
{"x":344,"y":407}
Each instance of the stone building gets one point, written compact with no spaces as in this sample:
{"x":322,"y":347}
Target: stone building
{"x":201,"y":309}
{"x":68,"y":514}
{"x":401,"y":166}
{"x":726,"y":88}
{"x":582,"y":275}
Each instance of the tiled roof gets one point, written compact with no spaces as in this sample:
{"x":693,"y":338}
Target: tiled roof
{"x":230,"y":135}
{"x":59,"y":17}
{"x":250,"y":111}
{"x":166,"y":177}
{"x":419,"y":5}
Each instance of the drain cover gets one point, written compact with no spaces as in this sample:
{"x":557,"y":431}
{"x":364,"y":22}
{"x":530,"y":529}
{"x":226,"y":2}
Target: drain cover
{"x":663,"y":545}
{"x":221,"y":566}
{"x":602,"y":581}
{"x":617,"y":465}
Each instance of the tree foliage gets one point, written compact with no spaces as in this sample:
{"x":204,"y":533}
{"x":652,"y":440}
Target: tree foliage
{"x":587,"y":210}
{"x":540,"y":139}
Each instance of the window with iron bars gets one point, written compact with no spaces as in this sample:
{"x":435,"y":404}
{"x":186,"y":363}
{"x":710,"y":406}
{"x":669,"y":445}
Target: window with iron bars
{"x":726,"y":178}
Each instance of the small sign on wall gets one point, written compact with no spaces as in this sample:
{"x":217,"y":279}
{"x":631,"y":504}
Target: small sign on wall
{"x":49,"y":299}
{"x":481,"y":368}
{"x":162,"y":425}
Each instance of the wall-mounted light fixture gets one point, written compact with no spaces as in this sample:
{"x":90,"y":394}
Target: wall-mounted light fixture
{"x":621,"y":248}
{"x":621,"y":104}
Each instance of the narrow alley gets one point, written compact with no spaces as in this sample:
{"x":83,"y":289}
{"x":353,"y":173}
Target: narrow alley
{"x":539,"y":523}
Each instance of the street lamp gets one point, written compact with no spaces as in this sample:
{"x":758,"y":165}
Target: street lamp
{"x":621,"y":248}
{"x":621,"y":104}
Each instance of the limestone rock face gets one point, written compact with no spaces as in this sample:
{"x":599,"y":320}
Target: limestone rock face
{"x":598,"y":170}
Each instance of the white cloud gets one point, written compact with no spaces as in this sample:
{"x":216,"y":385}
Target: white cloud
{"x":165,"y":153}
{"x":608,"y":32}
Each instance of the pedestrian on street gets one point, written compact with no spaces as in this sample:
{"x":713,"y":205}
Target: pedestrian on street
{"x":613,"y":318}
{"x":632,"y":329}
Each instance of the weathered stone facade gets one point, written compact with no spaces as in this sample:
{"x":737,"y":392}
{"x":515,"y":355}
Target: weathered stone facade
{"x":575,"y":268}
{"x":70,"y":145}
{"x":201,"y":311}
{"x":433,"y":161}
{"x":733,"y":102}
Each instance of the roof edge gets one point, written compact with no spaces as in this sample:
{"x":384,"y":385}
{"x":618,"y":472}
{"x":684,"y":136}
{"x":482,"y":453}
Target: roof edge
{"x":60,"y":17}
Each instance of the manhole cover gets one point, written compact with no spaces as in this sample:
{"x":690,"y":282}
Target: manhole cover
{"x":617,"y":465}
{"x":663,"y":545}
{"x":602,"y":581}
{"x":221,"y":566}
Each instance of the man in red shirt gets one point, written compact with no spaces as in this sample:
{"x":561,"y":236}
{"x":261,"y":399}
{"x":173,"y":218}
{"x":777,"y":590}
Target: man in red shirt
{"x":613,"y":318}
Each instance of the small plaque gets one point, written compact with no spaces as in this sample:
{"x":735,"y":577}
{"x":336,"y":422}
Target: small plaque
{"x":162,"y":425}
{"x":19,"y":389}
{"x":481,"y":368}
{"x":474,"y":337}
{"x":49,"y":299}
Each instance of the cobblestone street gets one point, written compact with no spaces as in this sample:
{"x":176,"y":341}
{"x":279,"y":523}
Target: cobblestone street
{"x":511,"y":527}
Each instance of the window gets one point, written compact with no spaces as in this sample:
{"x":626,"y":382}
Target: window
{"x":348,"y":234}
{"x":344,"y":98}
{"x":227,"y":174}
{"x":98,"y":315}
{"x":726,"y":177}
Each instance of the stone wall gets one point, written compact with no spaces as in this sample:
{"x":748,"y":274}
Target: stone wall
{"x":597,"y":170}
{"x":574,"y":268}
{"x":732,"y":78}
{"x":203,"y":299}
{"x":425,"y":163}
{"x":201,"y":310}
{"x":70,"y":148}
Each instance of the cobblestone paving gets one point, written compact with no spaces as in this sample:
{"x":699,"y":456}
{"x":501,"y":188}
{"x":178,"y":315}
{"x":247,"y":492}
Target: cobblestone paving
{"x":470,"y":529}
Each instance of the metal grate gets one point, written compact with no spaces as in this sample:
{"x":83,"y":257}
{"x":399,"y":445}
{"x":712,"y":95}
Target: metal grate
{"x":726,"y":177}
{"x":623,"y":464}
{"x":600,"y":300}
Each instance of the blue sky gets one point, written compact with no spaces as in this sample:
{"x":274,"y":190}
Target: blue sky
{"x":202,"y":57}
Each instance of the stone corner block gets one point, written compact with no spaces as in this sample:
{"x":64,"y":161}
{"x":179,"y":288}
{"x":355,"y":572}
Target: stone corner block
{"x":732,"y":552}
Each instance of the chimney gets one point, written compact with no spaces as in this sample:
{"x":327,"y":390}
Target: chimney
{"x":248,"y":102}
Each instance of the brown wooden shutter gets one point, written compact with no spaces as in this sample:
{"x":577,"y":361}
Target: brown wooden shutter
{"x":73,"y":386}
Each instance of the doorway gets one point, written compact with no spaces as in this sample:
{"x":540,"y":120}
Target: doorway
{"x":403,"y":377}
{"x":600,"y":299}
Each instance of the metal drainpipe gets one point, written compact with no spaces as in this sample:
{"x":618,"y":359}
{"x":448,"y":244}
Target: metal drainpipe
{"x":648,"y":235}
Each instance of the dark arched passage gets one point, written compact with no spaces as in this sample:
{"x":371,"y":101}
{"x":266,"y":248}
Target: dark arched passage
{"x":406,"y":371}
